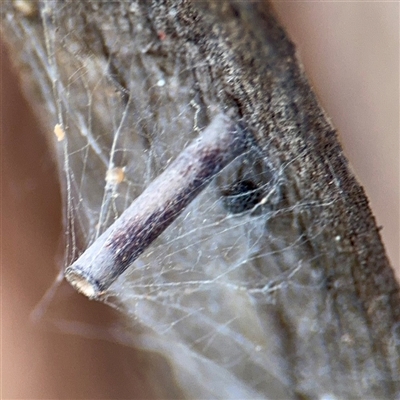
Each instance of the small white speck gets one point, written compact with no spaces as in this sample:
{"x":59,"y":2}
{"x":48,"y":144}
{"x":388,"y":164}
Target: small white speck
{"x":115,"y":175}
{"x":160,"y":82}
{"x":59,"y":132}
{"x":133,"y":8}
{"x":263,"y":200}
{"x":337,"y":238}
{"x":328,"y":396}
{"x":172,"y":12}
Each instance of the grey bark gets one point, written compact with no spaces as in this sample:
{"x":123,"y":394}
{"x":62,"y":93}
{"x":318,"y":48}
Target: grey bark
{"x":296,"y":298}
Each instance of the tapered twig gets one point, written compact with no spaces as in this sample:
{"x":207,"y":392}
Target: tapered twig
{"x":156,"y":208}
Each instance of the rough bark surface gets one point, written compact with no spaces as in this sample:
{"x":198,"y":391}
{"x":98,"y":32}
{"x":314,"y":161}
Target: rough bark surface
{"x":294,"y":298}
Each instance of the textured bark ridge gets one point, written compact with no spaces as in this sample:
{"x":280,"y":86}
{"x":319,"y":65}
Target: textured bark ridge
{"x":273,"y":282}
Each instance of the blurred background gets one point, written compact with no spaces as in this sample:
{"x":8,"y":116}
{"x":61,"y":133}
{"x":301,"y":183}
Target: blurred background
{"x":350,"y":51}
